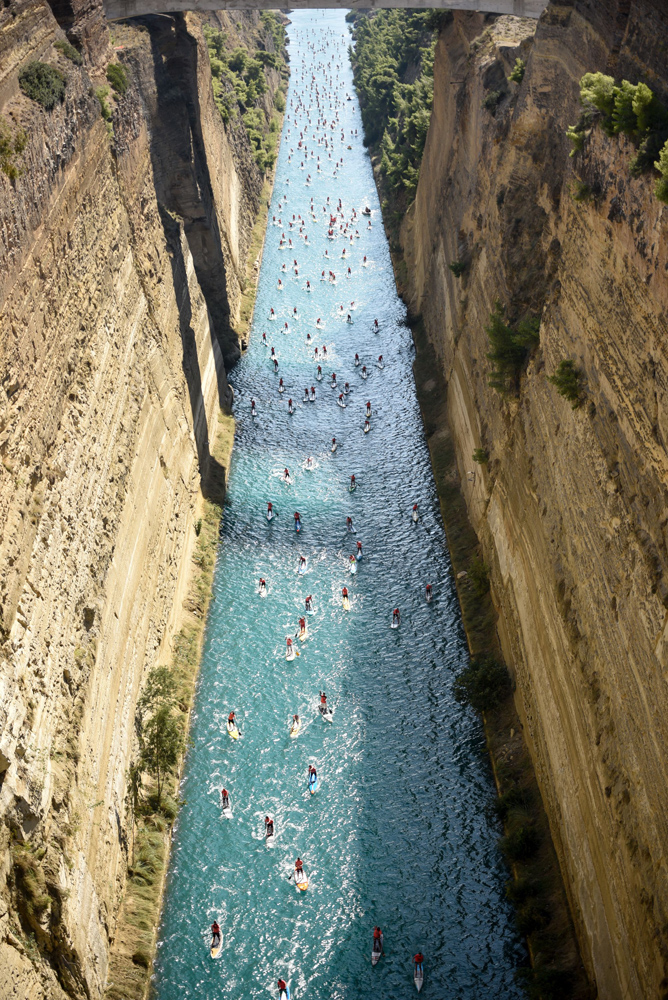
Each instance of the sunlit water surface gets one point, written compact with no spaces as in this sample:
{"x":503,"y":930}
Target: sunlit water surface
{"x":397,"y":834}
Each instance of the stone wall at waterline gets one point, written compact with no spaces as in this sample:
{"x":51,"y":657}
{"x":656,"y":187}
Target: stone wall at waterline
{"x":571,"y":506}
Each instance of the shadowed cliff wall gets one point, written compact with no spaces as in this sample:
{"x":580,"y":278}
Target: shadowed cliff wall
{"x":571,"y":508}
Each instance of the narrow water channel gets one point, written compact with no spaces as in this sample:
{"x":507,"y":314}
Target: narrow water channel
{"x":397,"y":834}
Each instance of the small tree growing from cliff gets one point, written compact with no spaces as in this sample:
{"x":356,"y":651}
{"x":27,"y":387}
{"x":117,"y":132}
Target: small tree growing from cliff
{"x":517,"y":74}
{"x":629,"y":109}
{"x":661,"y":189}
{"x":483,"y":684}
{"x":159,"y":689}
{"x":568,"y":382}
{"x":510,"y":349}
{"x":162,"y":743}
{"x":12,"y":145}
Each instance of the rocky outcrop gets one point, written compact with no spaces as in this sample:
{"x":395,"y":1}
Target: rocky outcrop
{"x":571,"y":506}
{"x":122,"y":247}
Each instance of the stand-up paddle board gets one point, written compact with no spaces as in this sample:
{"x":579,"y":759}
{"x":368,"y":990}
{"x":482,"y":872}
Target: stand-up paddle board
{"x":216,"y":945}
{"x":418,"y":978}
{"x":301,"y":881}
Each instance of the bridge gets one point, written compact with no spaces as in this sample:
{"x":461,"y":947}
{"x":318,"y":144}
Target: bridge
{"x":116,"y":9}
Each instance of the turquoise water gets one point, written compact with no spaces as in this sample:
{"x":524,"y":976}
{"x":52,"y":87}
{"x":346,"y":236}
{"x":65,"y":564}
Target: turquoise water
{"x":397,"y":833}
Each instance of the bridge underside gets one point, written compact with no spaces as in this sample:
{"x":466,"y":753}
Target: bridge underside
{"x":116,"y":9}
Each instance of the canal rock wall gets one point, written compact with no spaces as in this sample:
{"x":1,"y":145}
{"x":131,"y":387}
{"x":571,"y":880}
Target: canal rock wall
{"x":571,"y":506}
{"x":123,"y":244}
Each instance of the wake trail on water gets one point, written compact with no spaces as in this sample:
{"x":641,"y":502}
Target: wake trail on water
{"x":397,"y":834}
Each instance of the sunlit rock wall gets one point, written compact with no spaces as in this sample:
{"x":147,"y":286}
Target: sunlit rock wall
{"x":122,"y":248}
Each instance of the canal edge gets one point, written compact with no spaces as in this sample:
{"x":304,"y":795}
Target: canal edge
{"x":132,"y":954}
{"x":536,"y":889}
{"x":133,"y":948}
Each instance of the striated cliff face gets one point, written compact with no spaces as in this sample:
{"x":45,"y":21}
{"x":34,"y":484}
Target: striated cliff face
{"x":571,"y":509}
{"x":122,"y":250}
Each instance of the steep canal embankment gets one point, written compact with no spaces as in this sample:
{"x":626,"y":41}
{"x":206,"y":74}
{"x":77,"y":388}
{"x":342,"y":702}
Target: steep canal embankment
{"x":128,"y":204}
{"x":564,"y":480}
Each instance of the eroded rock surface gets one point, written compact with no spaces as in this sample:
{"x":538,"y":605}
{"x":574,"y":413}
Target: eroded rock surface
{"x":123,"y":247}
{"x":571,"y":508}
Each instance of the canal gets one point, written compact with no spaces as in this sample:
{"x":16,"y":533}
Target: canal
{"x":398,"y":833}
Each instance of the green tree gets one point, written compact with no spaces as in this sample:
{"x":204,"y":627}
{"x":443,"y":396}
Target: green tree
{"x":568,"y":382}
{"x":661,"y":165}
{"x":393,"y":64}
{"x":161,"y":745}
{"x":160,"y":689}
{"x":510,"y":348}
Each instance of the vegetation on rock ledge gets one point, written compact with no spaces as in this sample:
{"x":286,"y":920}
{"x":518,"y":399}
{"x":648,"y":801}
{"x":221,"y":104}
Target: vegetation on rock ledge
{"x":568,"y":382}
{"x":43,"y":83}
{"x":239,"y":82}
{"x":626,"y":109}
{"x":510,"y":349}
{"x":69,"y":52}
{"x":393,"y":65}
{"x":12,"y":144}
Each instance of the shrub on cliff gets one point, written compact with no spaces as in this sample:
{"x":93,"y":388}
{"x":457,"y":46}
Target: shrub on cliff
{"x":625,"y":109}
{"x":69,"y":52}
{"x":484,"y":684}
{"x":521,"y":843}
{"x":12,"y":145}
{"x":510,"y":349}
{"x":117,"y":77}
{"x":661,"y":189}
{"x":492,"y":101}
{"x":568,"y":382}
{"x":102,"y":93}
{"x":43,"y":83}
{"x":517,"y":74}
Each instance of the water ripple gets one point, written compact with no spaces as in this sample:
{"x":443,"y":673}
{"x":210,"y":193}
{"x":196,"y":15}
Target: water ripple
{"x":397,"y":833}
